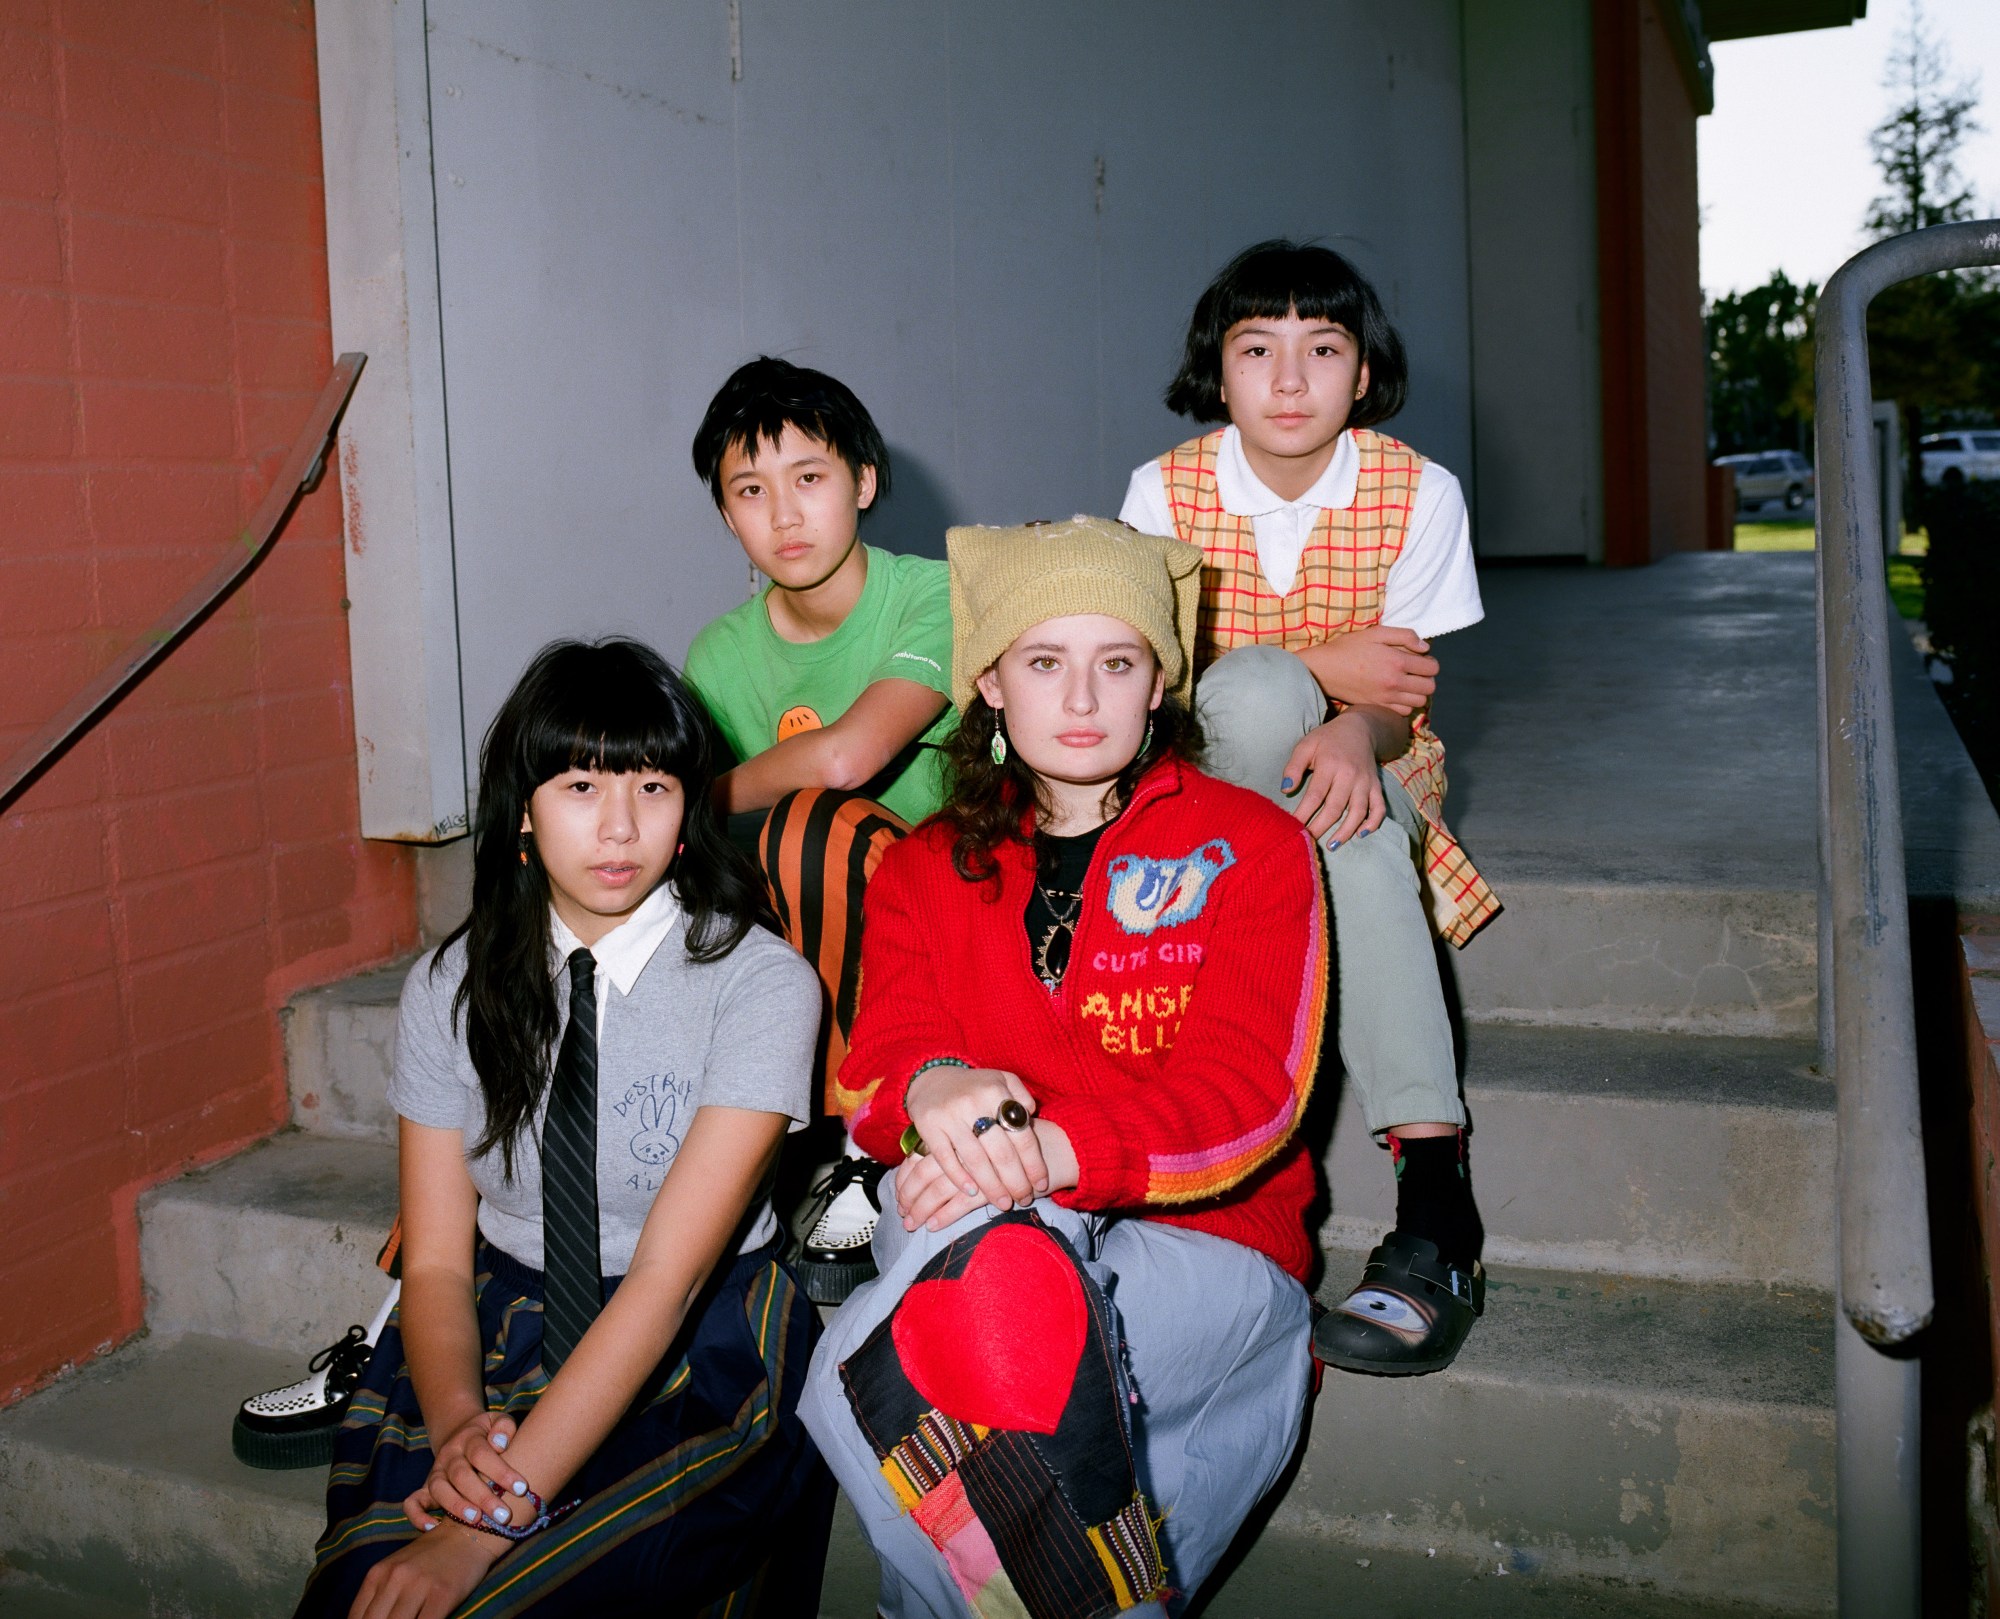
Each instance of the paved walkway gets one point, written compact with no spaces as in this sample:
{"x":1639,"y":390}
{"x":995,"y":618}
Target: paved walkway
{"x":1656,"y":726}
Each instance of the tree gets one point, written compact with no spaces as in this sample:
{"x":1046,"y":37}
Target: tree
{"x":1923,"y":334}
{"x":1916,"y":146}
{"x":1760,"y":366}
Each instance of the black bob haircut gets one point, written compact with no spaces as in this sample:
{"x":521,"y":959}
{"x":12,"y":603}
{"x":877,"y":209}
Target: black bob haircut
{"x":761,"y":399}
{"x":1267,"y":282}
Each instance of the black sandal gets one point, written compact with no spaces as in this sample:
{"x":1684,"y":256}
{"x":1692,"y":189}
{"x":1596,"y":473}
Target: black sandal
{"x":1410,"y":1314}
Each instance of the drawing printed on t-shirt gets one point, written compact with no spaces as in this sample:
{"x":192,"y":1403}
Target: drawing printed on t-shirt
{"x":653,"y":1109}
{"x":797,"y":720}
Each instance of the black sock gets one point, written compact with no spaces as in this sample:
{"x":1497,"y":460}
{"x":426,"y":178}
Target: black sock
{"x":1434,"y":1196}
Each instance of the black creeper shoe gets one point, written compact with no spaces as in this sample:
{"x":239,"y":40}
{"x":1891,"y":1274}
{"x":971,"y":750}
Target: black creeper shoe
{"x":1411,"y":1313}
{"x":294,"y":1426}
{"x":830,"y":1249}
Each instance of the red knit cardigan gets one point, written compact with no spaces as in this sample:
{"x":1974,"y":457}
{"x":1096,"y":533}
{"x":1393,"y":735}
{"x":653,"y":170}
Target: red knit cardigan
{"x":1181,"y":1047}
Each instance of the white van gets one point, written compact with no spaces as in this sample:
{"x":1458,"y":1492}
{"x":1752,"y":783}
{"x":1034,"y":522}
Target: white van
{"x":1961,"y":457}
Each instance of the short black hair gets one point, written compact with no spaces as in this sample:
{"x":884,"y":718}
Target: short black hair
{"x":761,"y":399}
{"x":1267,"y":282}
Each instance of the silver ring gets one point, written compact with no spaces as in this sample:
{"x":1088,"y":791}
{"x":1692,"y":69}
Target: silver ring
{"x":981,"y":1125}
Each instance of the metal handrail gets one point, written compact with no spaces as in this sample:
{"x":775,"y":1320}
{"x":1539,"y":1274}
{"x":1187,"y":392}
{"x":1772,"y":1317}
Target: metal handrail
{"x":298,"y":475}
{"x":1867,"y":1013}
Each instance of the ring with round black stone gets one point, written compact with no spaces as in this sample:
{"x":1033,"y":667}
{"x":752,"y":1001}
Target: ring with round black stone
{"x":981,"y":1125}
{"x":1013,"y":1116}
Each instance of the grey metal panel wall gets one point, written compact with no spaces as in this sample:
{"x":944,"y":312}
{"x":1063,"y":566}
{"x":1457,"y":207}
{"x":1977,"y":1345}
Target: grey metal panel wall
{"x":991,"y":220}
{"x":1532,"y":209}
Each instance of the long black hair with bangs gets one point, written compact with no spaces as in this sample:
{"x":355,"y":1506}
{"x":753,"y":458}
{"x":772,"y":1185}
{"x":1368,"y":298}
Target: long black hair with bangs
{"x":617,"y":706}
{"x":1269,"y":281}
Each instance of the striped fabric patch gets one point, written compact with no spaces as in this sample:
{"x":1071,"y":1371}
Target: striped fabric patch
{"x":926,"y":1458}
{"x":1129,"y":1548}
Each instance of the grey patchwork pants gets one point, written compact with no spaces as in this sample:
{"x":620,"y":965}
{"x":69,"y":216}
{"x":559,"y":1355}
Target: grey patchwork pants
{"x":1218,"y":1345}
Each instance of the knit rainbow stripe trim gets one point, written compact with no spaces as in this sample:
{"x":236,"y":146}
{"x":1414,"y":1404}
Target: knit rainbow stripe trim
{"x":1185,"y":1177}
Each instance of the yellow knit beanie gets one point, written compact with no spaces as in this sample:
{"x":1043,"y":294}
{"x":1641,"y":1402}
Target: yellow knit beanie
{"x":1004,"y":581}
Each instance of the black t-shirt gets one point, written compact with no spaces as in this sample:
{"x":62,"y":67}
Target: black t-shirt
{"x":1060,"y":865}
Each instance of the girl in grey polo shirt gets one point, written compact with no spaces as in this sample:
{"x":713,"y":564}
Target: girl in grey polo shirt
{"x":594,"y":1075}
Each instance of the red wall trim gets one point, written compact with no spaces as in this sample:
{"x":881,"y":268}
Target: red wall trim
{"x":1621,"y":283}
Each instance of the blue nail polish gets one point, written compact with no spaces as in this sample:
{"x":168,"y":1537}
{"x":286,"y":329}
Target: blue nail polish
{"x":520,"y":1486}
{"x":1365,"y":831}
{"x":499,"y":1441}
{"x":501,"y":1514}
{"x":471,"y":1516}
{"x":1333,"y":843}
{"x":1285,"y":786}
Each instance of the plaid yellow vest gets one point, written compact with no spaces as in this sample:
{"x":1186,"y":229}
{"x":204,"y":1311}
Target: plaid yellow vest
{"x":1343,"y":576}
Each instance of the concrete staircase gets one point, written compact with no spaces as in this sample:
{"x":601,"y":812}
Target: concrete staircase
{"x":1643,"y":1423}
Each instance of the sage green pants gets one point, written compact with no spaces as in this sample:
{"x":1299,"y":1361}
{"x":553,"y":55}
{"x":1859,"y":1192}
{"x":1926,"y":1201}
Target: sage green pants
{"x":1395,"y":1036}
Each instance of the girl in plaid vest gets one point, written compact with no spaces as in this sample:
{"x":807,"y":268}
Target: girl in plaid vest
{"x":1333,"y":553}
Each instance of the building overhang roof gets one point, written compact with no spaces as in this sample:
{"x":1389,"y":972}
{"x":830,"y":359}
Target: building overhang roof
{"x":1747,"y":19}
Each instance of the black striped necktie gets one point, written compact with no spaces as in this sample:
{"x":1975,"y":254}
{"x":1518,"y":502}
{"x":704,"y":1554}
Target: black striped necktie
{"x":572,"y":1287}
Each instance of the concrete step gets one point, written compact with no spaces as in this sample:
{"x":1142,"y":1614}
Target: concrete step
{"x":1636,"y":1154}
{"x":1639,"y":1431}
{"x":117,"y":1485}
{"x":274,"y":1247}
{"x":340,"y":1043}
{"x":1597,"y":1149}
{"x":1676,"y":957}
{"x":1602,"y":1447}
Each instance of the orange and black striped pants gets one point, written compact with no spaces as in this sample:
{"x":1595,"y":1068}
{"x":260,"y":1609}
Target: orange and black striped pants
{"x":817,"y":849}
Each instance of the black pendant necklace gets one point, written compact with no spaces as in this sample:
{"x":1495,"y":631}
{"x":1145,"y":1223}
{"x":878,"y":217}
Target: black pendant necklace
{"x":1052,"y":951}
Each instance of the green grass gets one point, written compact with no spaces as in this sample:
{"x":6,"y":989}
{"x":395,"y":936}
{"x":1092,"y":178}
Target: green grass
{"x":1906,"y":580}
{"x":1795,"y":535}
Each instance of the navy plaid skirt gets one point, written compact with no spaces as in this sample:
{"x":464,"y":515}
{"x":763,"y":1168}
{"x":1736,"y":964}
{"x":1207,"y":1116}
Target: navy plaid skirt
{"x":706,"y":1498}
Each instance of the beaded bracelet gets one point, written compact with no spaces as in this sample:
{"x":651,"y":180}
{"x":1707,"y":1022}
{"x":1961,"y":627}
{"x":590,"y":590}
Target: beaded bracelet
{"x":511,"y":1531}
{"x":912,"y":1141}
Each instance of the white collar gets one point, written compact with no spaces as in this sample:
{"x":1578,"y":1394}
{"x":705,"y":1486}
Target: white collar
{"x":622,"y":953}
{"x":1243,"y":493}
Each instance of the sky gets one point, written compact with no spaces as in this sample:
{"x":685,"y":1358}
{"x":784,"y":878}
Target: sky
{"x":1786,"y":174}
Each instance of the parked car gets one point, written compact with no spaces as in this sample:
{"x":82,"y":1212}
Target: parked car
{"x":1770,"y":475}
{"x":1961,"y":457}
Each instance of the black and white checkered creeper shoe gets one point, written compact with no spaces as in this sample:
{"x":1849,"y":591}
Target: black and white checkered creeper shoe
{"x":294,"y":1426}
{"x":831,"y":1266}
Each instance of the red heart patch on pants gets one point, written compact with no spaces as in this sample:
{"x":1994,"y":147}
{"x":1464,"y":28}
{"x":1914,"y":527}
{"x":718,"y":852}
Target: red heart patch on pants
{"x":999,"y":1346}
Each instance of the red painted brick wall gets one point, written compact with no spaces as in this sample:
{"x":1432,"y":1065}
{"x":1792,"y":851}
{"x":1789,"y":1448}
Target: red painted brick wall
{"x":165,"y":887}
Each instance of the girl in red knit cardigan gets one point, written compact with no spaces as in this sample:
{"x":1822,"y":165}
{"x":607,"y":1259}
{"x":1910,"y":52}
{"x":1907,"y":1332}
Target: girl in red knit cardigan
{"x":1093,"y":991}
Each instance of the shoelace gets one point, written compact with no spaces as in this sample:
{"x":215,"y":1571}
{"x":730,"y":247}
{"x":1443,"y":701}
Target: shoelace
{"x":344,"y":1361}
{"x":844,"y":1174}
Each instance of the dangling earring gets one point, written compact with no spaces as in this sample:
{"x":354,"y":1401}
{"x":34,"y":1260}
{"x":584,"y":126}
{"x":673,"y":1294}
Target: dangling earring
{"x":999,"y":747}
{"x":1146,"y":741}
{"x":523,"y":847}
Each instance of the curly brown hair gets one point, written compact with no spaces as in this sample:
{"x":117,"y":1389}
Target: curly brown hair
{"x":986,"y":804}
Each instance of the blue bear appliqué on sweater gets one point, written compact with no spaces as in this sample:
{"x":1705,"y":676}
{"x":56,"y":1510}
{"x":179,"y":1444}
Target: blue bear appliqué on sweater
{"x":1148,"y":893}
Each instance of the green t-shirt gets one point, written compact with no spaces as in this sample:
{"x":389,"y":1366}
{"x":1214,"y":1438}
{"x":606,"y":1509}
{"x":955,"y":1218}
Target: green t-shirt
{"x":762,"y":688}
